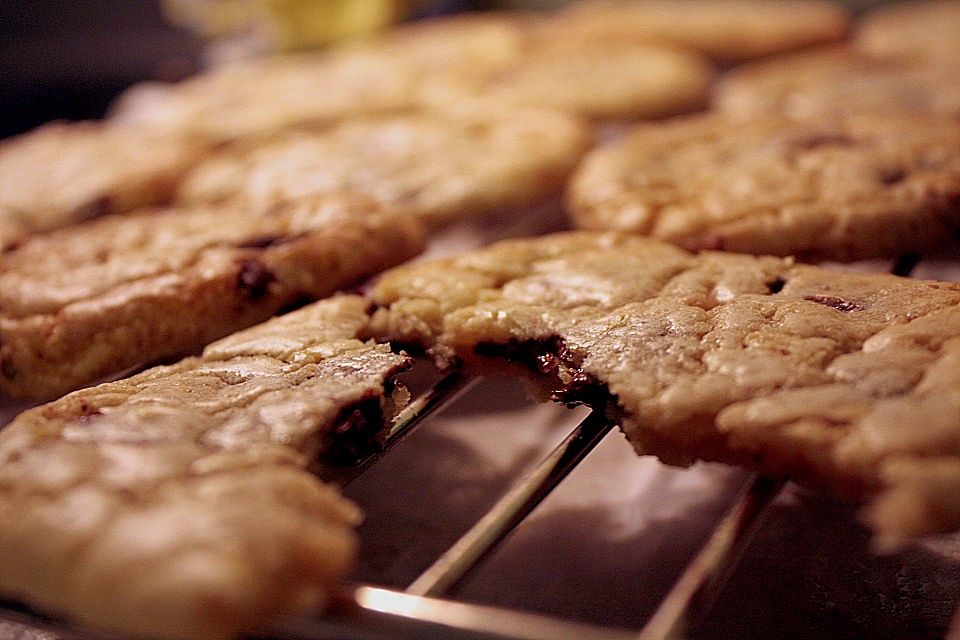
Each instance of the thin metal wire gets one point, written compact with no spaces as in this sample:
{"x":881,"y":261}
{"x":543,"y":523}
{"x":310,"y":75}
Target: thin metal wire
{"x":382,"y":614}
{"x":436,"y":398}
{"x":700,"y":581}
{"x":511,"y":509}
{"x":439,"y":396}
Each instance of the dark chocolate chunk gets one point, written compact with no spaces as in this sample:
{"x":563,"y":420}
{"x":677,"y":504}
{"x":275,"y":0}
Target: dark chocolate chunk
{"x":254,"y":278}
{"x":7,"y":369}
{"x":358,"y":431}
{"x":823,"y":140}
{"x":12,"y":246}
{"x":891,"y":176}
{"x":905,"y":264}
{"x":261,"y":243}
{"x":776,"y":285}
{"x":96,"y":208}
{"x":585,"y":389}
{"x":551,"y":357}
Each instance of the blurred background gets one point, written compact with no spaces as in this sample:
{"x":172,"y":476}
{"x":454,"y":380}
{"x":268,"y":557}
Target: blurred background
{"x":69,"y":58}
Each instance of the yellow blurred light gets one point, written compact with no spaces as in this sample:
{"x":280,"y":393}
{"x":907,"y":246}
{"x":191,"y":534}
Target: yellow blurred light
{"x":286,"y":25}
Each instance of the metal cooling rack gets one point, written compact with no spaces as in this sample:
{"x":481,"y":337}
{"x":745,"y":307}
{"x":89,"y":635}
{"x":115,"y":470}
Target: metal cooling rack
{"x":419,"y":612}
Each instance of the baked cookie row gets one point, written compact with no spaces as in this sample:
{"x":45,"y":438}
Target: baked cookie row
{"x":69,"y":172}
{"x":128,"y":505}
{"x":292,"y":221}
{"x":183,"y":502}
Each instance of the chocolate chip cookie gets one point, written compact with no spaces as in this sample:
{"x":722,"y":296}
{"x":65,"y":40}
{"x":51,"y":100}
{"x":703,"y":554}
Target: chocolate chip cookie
{"x":596,"y":80}
{"x":927,"y":29}
{"x":87,"y":302}
{"x":437,"y":167}
{"x":845,"y":188}
{"x":837,"y":81}
{"x":178,"y":503}
{"x":728,"y":30}
{"x":262,"y":97}
{"x":843,"y":379}
{"x":66,"y":172}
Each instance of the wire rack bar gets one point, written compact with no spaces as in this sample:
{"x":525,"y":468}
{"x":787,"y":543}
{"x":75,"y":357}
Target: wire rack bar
{"x":440,"y":395}
{"x":512,"y":508}
{"x":383,"y":614}
{"x":700,"y":581}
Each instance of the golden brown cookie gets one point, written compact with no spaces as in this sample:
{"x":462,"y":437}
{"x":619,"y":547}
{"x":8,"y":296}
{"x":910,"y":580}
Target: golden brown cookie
{"x":617,"y":81}
{"x":844,"y":188}
{"x":87,"y":302}
{"x":727,"y":30}
{"x":464,"y":42}
{"x":259,"y":98}
{"x":925,"y":29}
{"x":176,"y":503}
{"x":67,"y":172}
{"x":834,"y":81}
{"x":262,"y":97}
{"x":437,"y":167}
{"x":844,"y":379}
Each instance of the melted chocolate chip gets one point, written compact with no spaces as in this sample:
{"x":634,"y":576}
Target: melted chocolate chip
{"x":297,"y":303}
{"x":776,"y":285}
{"x":11,"y":246}
{"x":94,"y":209}
{"x":360,"y":428}
{"x":714,"y":242}
{"x":540,"y":355}
{"x":254,"y":279}
{"x":823,"y":140}
{"x":261,"y":243}
{"x":547,"y":363}
{"x":568,"y":357}
{"x":837,"y":303}
{"x":87,"y":410}
{"x":551,"y":357}
{"x":358,"y":431}
{"x":891,"y":176}
{"x":389,"y":386}
{"x":905,"y":264}
{"x":586,"y":389}
{"x":7,"y":369}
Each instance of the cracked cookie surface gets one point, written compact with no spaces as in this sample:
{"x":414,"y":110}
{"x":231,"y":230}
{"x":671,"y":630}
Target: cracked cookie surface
{"x":844,"y":379}
{"x":437,"y":167}
{"x":177,"y":503}
{"x":87,"y":302}
{"x":67,"y":172}
{"x":845,"y":188}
